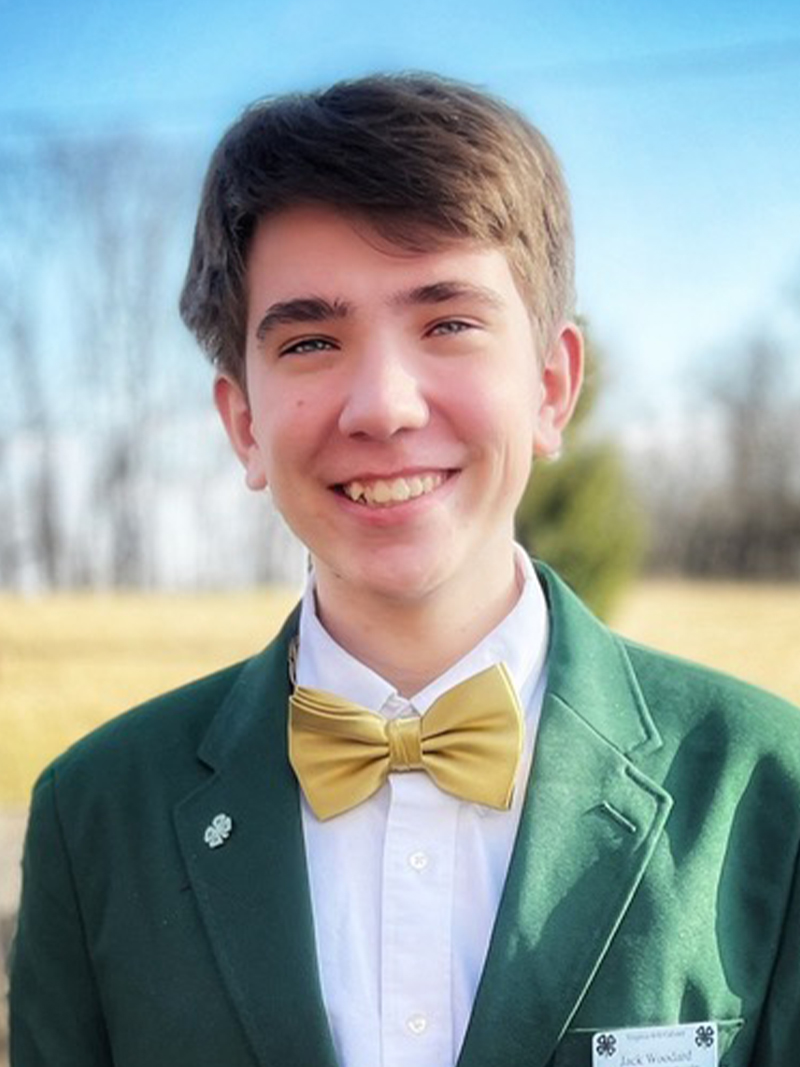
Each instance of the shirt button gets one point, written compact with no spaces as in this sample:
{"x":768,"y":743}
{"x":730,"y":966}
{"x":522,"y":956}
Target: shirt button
{"x":417,"y":1024}
{"x":418,"y":860}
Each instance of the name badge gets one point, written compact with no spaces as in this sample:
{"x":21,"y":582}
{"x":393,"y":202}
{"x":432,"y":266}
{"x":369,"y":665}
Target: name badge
{"x":689,"y":1045}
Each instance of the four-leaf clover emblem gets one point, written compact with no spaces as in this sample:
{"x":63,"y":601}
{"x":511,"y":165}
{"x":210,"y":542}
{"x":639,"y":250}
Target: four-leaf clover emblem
{"x":704,"y":1036}
{"x":219,"y":831}
{"x":606,"y":1045}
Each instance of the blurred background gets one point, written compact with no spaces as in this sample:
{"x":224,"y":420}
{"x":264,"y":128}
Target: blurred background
{"x":131,"y":558}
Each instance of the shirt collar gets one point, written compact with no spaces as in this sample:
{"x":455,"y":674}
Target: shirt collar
{"x":519,"y":641}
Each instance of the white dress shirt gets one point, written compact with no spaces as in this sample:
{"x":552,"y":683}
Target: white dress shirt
{"x":405,"y":887}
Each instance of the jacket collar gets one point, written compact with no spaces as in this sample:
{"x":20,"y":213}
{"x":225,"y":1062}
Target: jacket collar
{"x":590,"y":673}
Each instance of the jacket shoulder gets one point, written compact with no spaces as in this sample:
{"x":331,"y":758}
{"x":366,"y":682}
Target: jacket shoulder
{"x":679,"y":690}
{"x":161,"y":746}
{"x":591,"y":666}
{"x":171,"y":722}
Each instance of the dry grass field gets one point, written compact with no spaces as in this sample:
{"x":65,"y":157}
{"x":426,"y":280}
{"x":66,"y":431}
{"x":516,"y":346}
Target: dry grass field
{"x":751,"y":631}
{"x":68,"y":662}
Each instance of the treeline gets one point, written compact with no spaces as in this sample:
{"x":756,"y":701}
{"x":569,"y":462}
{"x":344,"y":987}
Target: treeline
{"x":723,"y":496}
{"x":113,"y":471}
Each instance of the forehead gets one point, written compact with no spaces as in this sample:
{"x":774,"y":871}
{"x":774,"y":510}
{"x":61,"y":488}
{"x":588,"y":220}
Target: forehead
{"x":313,"y":249}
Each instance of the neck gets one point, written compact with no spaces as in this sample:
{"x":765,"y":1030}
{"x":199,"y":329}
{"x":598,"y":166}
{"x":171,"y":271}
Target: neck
{"x":411,"y":643}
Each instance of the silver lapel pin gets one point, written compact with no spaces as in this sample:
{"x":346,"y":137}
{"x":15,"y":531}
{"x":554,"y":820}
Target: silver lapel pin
{"x":219,"y":830}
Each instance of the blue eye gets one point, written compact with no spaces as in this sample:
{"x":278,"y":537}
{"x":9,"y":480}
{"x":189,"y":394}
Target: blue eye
{"x":308,"y":344}
{"x":450,"y":326}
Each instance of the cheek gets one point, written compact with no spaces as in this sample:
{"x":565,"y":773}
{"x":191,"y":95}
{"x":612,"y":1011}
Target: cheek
{"x":503,"y":410}
{"x":292,"y":441}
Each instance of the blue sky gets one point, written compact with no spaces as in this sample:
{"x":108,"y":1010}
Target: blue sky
{"x":677,"y":125}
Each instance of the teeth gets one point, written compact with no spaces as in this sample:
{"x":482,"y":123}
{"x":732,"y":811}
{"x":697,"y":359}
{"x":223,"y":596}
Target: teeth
{"x":381,"y":492}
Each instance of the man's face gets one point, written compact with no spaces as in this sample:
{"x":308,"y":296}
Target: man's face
{"x":394,"y":401}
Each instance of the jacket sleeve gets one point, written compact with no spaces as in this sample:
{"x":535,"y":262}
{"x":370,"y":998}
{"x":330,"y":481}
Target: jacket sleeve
{"x":778,"y":1037}
{"x":56,"y":1019}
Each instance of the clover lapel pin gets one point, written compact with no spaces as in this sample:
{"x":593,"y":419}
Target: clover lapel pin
{"x":218,"y":831}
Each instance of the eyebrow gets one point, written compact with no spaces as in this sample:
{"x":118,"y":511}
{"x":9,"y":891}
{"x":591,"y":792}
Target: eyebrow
{"x":441,"y":292}
{"x":302,"y":309}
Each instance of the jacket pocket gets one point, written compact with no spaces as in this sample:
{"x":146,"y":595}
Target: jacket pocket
{"x":575,"y":1048}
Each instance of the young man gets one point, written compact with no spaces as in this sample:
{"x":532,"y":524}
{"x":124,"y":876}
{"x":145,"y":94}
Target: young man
{"x":446,"y":816}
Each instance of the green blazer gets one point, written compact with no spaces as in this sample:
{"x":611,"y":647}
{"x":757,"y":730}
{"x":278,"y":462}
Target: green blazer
{"x":654,"y":878}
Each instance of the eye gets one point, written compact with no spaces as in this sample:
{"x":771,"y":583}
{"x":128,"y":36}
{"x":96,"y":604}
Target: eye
{"x":306,"y":345}
{"x":448,"y":327}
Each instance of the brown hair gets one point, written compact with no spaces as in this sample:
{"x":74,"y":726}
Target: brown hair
{"x":425,"y":158}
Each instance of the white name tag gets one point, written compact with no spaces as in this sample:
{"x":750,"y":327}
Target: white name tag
{"x":689,"y":1045}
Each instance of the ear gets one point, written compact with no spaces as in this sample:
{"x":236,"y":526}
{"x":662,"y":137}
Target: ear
{"x":562,"y":376}
{"x":234,"y":409}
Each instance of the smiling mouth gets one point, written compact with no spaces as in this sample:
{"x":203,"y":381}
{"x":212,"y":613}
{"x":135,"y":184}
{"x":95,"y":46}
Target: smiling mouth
{"x":385,"y":492}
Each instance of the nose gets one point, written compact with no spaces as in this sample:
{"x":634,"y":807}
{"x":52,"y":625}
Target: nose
{"x":384,"y":396}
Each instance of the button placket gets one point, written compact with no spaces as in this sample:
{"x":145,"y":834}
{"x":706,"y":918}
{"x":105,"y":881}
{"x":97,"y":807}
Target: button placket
{"x":416,"y":964}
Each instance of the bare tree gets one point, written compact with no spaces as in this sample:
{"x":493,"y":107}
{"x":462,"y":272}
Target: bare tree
{"x":726,"y":501}
{"x":29,"y":535}
{"x":123,"y":197}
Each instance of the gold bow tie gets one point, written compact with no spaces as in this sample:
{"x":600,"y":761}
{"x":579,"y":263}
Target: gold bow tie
{"x":469,"y":742}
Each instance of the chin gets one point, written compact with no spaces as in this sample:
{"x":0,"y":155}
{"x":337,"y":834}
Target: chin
{"x":400,"y":578}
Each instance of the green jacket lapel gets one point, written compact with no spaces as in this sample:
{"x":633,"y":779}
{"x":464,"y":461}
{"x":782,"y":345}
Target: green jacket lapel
{"x":252,"y":888}
{"x":588,"y":829}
